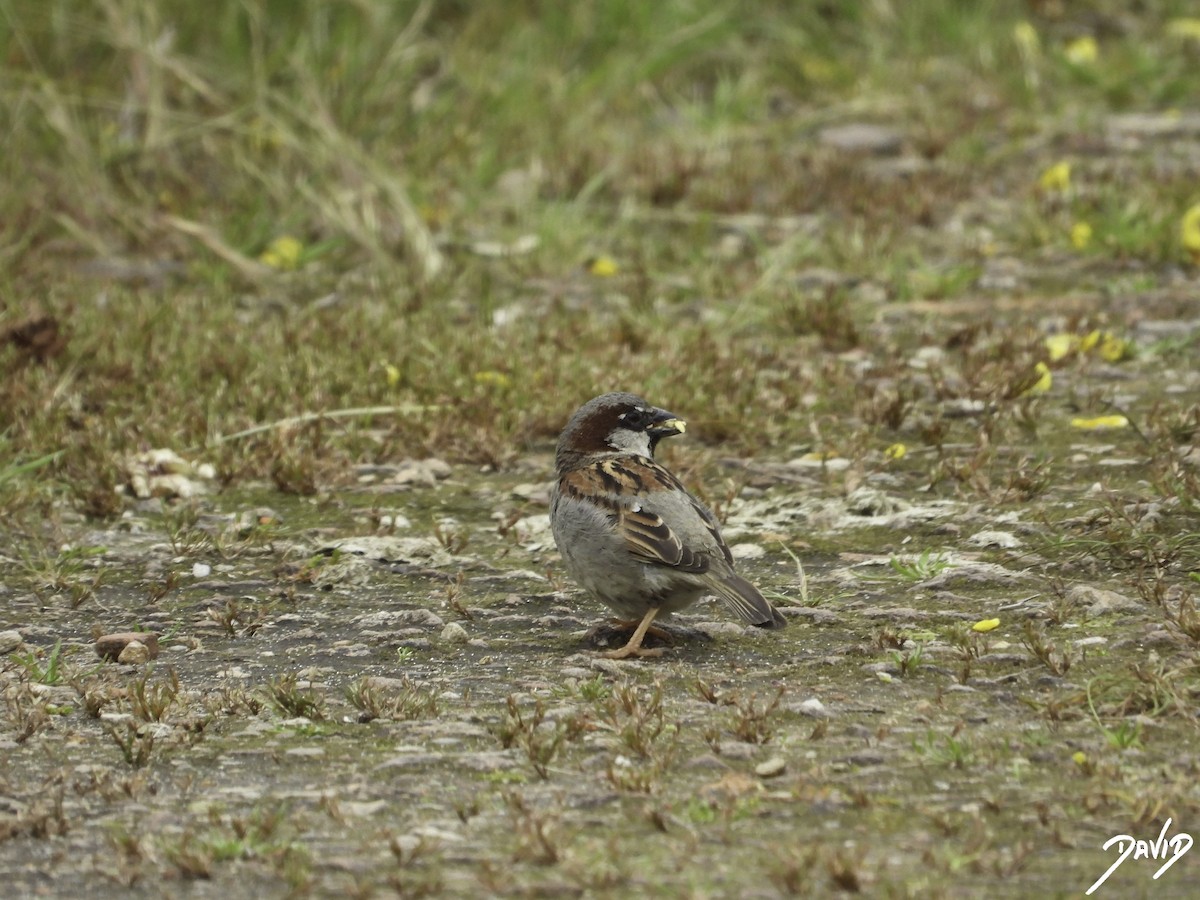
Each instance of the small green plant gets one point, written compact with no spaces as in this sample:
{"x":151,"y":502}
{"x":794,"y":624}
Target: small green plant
{"x":236,"y":619}
{"x":183,"y":532}
{"x":407,"y":702}
{"x":908,"y":661}
{"x":291,"y":700}
{"x":72,"y":572}
{"x":753,"y":720}
{"x":260,"y":834}
{"x":14,"y":470}
{"x":536,"y":832}
{"x":950,"y":750}
{"x":451,"y":535}
{"x":51,"y":673}
{"x":541,"y":740}
{"x":136,"y":742}
{"x":1127,"y":733}
{"x":1045,"y":651}
{"x":232,"y":700}
{"x":921,"y":567}
{"x":594,"y":689}
{"x":637,"y":719}
{"x":151,"y":702}
{"x":27,"y":714}
{"x":699,"y":811}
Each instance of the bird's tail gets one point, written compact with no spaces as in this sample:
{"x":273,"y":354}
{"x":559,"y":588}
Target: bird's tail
{"x":745,"y":599}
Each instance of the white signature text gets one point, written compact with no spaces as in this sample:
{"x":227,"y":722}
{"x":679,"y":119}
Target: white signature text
{"x":1175,"y":847}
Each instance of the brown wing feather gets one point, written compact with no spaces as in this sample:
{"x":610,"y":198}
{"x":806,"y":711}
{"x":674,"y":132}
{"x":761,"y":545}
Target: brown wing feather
{"x":651,"y":540}
{"x":616,"y":484}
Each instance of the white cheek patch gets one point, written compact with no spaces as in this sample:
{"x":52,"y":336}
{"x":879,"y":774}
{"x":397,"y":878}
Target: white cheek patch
{"x":629,"y":441}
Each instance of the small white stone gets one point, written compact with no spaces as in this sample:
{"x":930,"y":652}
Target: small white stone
{"x":1002,"y":539}
{"x":201,"y":570}
{"x":747,"y":551}
{"x":772,"y":767}
{"x":813,"y":707}
{"x":134,"y":654}
{"x":10,"y":641}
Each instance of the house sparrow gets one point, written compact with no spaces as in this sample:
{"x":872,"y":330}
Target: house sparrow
{"x":629,"y":532}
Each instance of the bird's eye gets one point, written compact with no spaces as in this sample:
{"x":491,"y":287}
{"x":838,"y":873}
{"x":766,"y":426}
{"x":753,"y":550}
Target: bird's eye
{"x":636,"y":418}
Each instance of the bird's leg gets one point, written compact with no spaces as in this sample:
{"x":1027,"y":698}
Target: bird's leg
{"x":633,"y":646}
{"x":654,"y":631}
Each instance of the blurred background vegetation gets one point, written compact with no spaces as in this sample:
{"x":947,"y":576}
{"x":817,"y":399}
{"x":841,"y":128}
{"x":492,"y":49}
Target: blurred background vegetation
{"x":221,"y":215}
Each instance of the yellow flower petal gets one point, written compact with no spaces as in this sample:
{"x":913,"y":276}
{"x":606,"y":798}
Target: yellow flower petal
{"x":1113,"y":349}
{"x":493,"y":379}
{"x":1082,"y":51}
{"x":1079,"y":757}
{"x":1060,"y":346}
{"x":1044,"y":382}
{"x":1189,"y":230}
{"x":818,"y":69}
{"x":1088,"y":341}
{"x":1081,"y":235}
{"x":283,"y":253}
{"x":1187,"y":29}
{"x":602,"y":266}
{"x":393,"y":374}
{"x":1026,"y":37}
{"x":896,"y":451}
{"x":985,"y":625}
{"x":1100,"y":422}
{"x":1056,"y":178}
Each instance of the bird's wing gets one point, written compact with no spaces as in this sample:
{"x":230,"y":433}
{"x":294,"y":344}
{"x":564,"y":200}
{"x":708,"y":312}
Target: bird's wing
{"x":629,"y":489}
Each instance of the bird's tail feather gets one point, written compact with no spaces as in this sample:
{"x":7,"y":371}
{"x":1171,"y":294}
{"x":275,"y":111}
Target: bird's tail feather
{"x":745,"y":599}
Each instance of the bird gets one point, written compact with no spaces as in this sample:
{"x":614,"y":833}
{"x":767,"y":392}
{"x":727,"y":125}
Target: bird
{"x":630,"y":534}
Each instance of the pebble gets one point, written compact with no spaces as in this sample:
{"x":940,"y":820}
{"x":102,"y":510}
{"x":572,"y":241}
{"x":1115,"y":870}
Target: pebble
{"x":866,"y":758}
{"x":1102,"y":602}
{"x":112,"y":646}
{"x":607,"y":666}
{"x":454,"y":633}
{"x":1002,"y":539}
{"x":770,"y":768}
{"x":747,"y":551}
{"x":720,"y":629}
{"x":706,"y":761}
{"x":872,"y":503}
{"x":862,"y":137}
{"x":10,"y":641}
{"x":737,"y":750}
{"x":135,"y":653}
{"x":421,"y":472}
{"x":487,"y":760}
{"x":398,"y":618}
{"x":812,"y":613}
{"x":814,"y":708}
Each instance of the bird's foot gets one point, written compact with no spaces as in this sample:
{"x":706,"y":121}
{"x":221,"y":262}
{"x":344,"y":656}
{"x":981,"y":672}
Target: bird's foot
{"x":654,"y":631}
{"x":627,"y":651}
{"x":634,"y":646}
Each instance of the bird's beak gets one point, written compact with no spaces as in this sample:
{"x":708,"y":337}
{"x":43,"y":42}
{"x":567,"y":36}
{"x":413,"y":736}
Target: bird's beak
{"x":668,"y":425}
